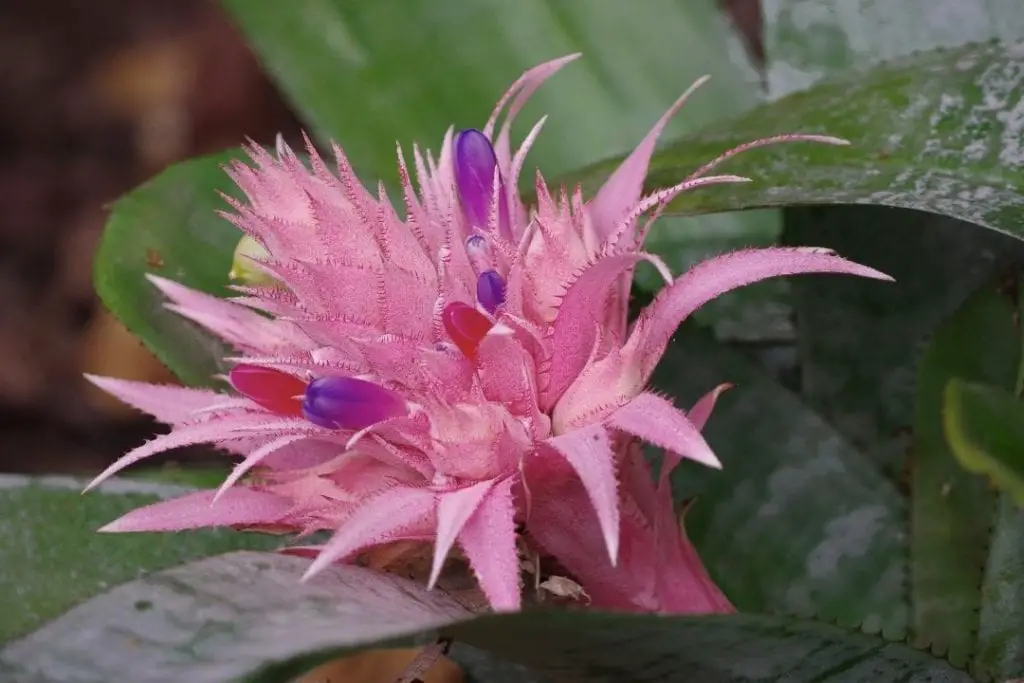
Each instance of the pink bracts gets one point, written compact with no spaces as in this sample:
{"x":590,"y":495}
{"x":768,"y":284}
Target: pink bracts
{"x":464,"y":376}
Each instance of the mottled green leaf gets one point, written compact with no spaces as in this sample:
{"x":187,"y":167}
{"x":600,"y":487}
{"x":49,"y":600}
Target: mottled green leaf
{"x":246,"y":617}
{"x":53,"y":558}
{"x":808,"y":39}
{"x":951,"y":510}
{"x":796,"y":521}
{"x":172,"y":472}
{"x":941,"y":131}
{"x":985,"y":428}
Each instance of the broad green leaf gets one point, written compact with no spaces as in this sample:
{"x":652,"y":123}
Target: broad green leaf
{"x":168,"y":227}
{"x":796,"y":521}
{"x":367,"y":73}
{"x":985,"y":428}
{"x":1001,"y":629}
{"x":53,"y":558}
{"x":939,"y":132}
{"x":951,"y":510}
{"x":246,"y":617}
{"x":808,"y":39}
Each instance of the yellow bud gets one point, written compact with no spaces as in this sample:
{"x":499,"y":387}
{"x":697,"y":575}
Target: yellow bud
{"x":242,"y":267}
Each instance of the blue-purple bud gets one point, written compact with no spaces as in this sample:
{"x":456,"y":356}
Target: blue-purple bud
{"x":475,"y":163}
{"x":349,"y":403}
{"x":490,"y":290}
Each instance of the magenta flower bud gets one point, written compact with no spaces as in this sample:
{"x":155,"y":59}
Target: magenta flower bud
{"x":349,"y":403}
{"x":475,"y":163}
{"x":490,"y":290}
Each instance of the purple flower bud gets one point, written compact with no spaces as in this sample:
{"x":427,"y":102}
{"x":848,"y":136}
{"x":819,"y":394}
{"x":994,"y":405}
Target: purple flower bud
{"x":490,"y":290}
{"x":475,"y":163}
{"x":349,"y":403}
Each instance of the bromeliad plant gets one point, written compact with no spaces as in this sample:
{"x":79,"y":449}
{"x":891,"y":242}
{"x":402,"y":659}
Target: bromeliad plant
{"x":455,"y":384}
{"x":463,"y":376}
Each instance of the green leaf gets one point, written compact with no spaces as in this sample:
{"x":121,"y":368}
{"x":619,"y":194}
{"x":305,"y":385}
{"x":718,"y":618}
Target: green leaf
{"x":808,"y":39}
{"x":53,"y":558}
{"x":168,"y":227}
{"x":951,"y":510}
{"x":1001,"y":628}
{"x":938,"y":132}
{"x":365,"y":74}
{"x":796,"y":521}
{"x":246,"y":617}
{"x":985,"y":428}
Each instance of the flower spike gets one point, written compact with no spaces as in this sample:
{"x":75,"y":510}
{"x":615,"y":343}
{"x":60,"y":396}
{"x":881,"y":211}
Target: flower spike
{"x":477,"y":388}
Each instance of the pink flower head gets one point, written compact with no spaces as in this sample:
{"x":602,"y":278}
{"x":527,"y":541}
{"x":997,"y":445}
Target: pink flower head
{"x":463,"y":375}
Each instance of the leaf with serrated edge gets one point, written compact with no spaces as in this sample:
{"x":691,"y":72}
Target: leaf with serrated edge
{"x":168,"y":227}
{"x":951,"y":510}
{"x":796,"y":521}
{"x":245,"y":616}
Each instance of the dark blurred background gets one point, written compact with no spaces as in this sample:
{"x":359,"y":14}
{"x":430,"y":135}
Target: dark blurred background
{"x":95,"y":97}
